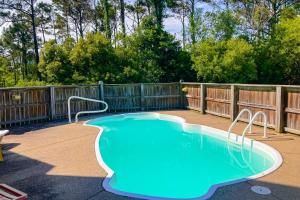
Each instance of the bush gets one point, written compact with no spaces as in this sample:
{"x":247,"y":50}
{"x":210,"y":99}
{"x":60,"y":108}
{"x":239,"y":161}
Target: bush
{"x":224,"y":61}
{"x":55,"y":65}
{"x":94,"y":59}
{"x":157,"y":56}
{"x":279,"y":57}
{"x":27,"y":83}
{"x":6,"y":76}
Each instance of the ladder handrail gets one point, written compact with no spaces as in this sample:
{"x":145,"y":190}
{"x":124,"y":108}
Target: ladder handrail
{"x":237,"y":118}
{"x":84,"y":112}
{"x":251,"y":122}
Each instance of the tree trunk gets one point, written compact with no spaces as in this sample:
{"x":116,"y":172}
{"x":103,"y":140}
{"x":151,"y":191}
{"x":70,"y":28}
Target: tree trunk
{"x":35,"y":42}
{"x":148,"y":7}
{"x":36,"y":47}
{"x":159,"y":9}
{"x":122,"y":15}
{"x":138,"y":18}
{"x":192,"y":22}
{"x":80,"y":25}
{"x":95,"y":17}
{"x":76,"y":30}
{"x":15,"y":71}
{"x":106,"y":19}
{"x":54,"y":31}
{"x":25,"y":63}
{"x":43,"y":33}
{"x":183,"y":30}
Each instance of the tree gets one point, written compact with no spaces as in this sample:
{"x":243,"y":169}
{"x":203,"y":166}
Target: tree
{"x":106,"y":8}
{"x":93,"y":59}
{"x":122,"y":16}
{"x":78,"y":11}
{"x":6,"y":76}
{"x":192,"y":21}
{"x":288,"y":36}
{"x":98,"y":19}
{"x":203,"y":31}
{"x":181,"y":10}
{"x":229,"y":61}
{"x":260,"y":17}
{"x":224,"y":25}
{"x":159,"y":56}
{"x":55,"y":65}
{"x":279,"y":57}
{"x":44,"y":18}
{"x":157,"y":8}
{"x":138,"y":11}
{"x":28,"y":9}
{"x":17,"y":41}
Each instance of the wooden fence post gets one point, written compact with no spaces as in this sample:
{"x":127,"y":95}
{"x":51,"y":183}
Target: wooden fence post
{"x":202,"y":98}
{"x":52,"y":102}
{"x":101,"y":93}
{"x":181,"y":102}
{"x":101,"y":90}
{"x":142,"y":97}
{"x":279,"y":124}
{"x":233,"y":102}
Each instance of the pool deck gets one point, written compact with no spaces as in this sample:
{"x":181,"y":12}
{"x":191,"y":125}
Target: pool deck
{"x":57,"y":161}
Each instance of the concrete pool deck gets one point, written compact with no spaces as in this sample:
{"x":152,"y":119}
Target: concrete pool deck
{"x":57,"y":161}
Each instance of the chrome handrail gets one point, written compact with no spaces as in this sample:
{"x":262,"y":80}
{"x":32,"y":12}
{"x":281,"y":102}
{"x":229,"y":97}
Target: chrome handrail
{"x":251,"y":122}
{"x":84,"y":112}
{"x":236,"y":119}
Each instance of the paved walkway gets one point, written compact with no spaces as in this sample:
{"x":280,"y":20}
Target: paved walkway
{"x":57,"y":161}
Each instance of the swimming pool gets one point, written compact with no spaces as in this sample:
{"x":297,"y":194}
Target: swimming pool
{"x":157,"y":156}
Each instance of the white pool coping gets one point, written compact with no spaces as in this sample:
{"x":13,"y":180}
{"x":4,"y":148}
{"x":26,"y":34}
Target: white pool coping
{"x":273,"y":153}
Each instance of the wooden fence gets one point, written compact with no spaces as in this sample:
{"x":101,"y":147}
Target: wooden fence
{"x":281,"y":103}
{"x":34,"y":104}
{"x":143,"y":96}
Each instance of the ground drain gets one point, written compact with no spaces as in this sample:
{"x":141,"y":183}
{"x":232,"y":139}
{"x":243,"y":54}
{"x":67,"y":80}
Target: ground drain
{"x":261,"y":190}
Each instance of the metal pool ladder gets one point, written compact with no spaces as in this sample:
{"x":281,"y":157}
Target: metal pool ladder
{"x":84,"y":112}
{"x":235,"y":121}
{"x":251,"y":122}
{"x":249,"y":126}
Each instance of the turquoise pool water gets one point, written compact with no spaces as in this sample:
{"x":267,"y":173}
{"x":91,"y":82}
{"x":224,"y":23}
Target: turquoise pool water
{"x":154,"y":156}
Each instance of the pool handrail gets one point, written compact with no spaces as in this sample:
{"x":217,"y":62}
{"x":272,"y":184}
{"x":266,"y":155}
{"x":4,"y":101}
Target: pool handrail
{"x":84,"y":112}
{"x":251,"y":122}
{"x":236,"y":119}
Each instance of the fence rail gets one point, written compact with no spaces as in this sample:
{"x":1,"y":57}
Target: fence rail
{"x":281,"y":103}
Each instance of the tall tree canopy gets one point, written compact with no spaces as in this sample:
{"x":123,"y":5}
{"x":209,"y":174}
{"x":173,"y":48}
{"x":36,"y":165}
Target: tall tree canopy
{"x":119,"y":41}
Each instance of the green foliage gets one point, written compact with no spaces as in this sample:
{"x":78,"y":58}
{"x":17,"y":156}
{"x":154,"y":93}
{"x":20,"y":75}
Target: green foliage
{"x":17,"y":42}
{"x":86,"y":41}
{"x":225,"y":25}
{"x":94,"y":59}
{"x":28,"y":83}
{"x":150,"y":55}
{"x":279,"y":57}
{"x":158,"y":55}
{"x":224,"y":61}
{"x":6,"y":76}
{"x":55,"y":65}
{"x":130,"y":71}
